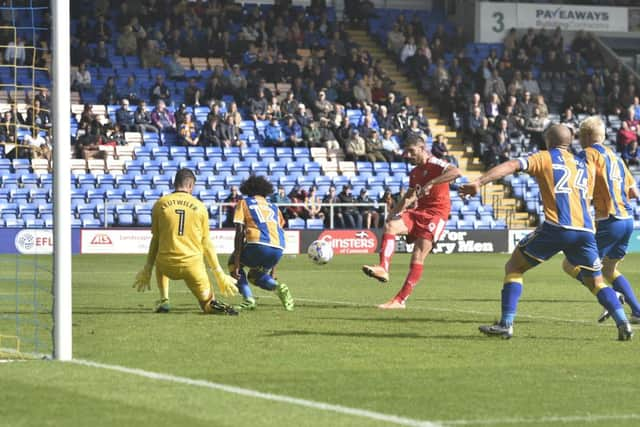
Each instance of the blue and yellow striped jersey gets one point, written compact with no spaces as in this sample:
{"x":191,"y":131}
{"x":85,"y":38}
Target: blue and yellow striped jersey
{"x":565,"y":186}
{"x":612,"y":182}
{"x":263,"y":221}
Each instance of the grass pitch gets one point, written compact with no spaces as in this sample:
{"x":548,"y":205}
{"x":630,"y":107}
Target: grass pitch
{"x":427,"y":363}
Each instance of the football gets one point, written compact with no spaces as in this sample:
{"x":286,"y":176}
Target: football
{"x":320,"y":252}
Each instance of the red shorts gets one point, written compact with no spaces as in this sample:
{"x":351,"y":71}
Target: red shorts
{"x":423,"y":225}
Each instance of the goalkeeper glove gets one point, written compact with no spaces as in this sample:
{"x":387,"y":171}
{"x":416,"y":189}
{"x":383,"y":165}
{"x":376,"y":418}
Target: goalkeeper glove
{"x":143,"y":279}
{"x":226,"y":283}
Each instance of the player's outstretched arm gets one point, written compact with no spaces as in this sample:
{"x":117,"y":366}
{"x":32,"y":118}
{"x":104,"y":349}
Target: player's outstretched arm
{"x":507,"y":168}
{"x":407,"y":200}
{"x":226,"y":283}
{"x":142,"y":281}
{"x":449,"y":174}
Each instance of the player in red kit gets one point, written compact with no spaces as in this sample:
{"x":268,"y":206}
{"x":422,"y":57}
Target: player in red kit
{"x":423,"y":224}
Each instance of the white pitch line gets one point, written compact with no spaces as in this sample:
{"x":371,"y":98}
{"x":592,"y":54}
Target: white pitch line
{"x":363,"y":413}
{"x":543,"y":420}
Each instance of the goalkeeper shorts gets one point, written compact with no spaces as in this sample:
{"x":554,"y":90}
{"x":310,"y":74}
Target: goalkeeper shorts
{"x":195,"y":276}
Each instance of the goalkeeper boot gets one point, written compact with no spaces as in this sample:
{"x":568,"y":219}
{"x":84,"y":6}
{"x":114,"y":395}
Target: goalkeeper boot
{"x":605,"y":314}
{"x":247,"y":304}
{"x":218,"y":307}
{"x":163,"y":306}
{"x":377,"y":272}
{"x":497,"y":330}
{"x":285,"y":296}
{"x":625,"y":333}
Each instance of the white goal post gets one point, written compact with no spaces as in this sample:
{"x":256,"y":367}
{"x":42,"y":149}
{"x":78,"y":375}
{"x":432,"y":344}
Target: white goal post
{"x":62,"y":272}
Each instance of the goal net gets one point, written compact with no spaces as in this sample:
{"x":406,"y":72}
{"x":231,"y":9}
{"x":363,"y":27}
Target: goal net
{"x":26,"y":193}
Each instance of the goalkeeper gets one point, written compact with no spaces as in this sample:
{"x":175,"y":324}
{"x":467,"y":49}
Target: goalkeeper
{"x":180,"y":246}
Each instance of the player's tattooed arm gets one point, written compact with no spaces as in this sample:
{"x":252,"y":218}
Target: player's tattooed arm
{"x":507,"y":168}
{"x":407,"y":200}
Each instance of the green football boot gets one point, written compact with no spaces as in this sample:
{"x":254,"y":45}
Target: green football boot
{"x":163,"y":306}
{"x":247,"y":304}
{"x":285,"y":296}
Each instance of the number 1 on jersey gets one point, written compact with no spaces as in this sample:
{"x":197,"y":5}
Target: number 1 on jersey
{"x":181,"y":214}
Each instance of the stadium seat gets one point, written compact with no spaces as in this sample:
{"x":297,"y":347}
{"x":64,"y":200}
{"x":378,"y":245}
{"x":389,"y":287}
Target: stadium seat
{"x":314,"y":224}
{"x":296,"y":223}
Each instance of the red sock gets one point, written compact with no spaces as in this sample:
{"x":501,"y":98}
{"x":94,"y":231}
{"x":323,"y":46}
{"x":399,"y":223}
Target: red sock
{"x":415,"y":272}
{"x":387,"y":249}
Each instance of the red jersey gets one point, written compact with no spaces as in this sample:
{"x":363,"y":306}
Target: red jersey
{"x":437,"y":202}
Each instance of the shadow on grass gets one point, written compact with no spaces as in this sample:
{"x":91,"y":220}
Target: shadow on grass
{"x":497,"y":300}
{"x":412,"y":335}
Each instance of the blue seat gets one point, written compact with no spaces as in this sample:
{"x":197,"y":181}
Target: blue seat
{"x":105,"y":181}
{"x":284,"y":153}
{"x":189,"y":164}
{"x":301,"y":153}
{"x":91,"y":223}
{"x":21,"y":165}
{"x":34,"y":223}
{"x":294,"y":168}
{"x":398,"y":168}
{"x":161,"y":180}
{"x":143,"y":153}
{"x":277,"y":167}
{"x":39,"y":195}
{"x":152,"y":167}
{"x":208,"y":195}
{"x":133,"y":195}
{"x":160,"y":153}
{"x":178,"y":152}
{"x":381,"y":168}
{"x":315,"y":224}
{"x":169,"y":167}
{"x":14,"y":223}
{"x":143,"y":220}
{"x":19,"y":195}
{"x":115,"y":195}
{"x":231,"y":153}
{"x":29,"y":179}
{"x":134,"y":166}
{"x":143,"y":180}
{"x":312,"y":168}
{"x":125,"y":180}
{"x":151,"y":195}
{"x":296,"y":223}
{"x":364,"y":168}
{"x":204,"y":167}
{"x":215,"y":152}
{"x":196,"y":153}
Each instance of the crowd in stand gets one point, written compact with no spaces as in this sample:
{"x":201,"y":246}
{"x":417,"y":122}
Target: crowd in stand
{"x":499,"y":103}
{"x":311,"y":111}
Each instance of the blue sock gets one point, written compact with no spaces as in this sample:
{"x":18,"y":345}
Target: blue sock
{"x":622,"y":285}
{"x":608,"y":299}
{"x":266,"y":282}
{"x":511,"y":292}
{"x":243,"y":286}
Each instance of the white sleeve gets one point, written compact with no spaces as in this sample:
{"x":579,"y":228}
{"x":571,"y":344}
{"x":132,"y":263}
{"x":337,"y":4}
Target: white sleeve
{"x":524,"y":163}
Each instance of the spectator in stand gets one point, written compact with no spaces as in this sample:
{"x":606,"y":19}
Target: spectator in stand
{"x":81,"y":79}
{"x":281,"y":197}
{"x":159,"y":91}
{"x":362,"y":93}
{"x":303,"y":117}
{"x":131,"y":90}
{"x":15,"y":51}
{"x":192,"y":93}
{"x":230,"y":133}
{"x":440,"y":150}
{"x":535,"y":126}
{"x":369,"y":214}
{"x":395,"y":40}
{"x":350,"y":214}
{"x":273,"y":109}
{"x":385,"y":121}
{"x":356,"y":149}
{"x":274,"y":136}
{"x":476,"y":102}
{"x":125,"y":117}
{"x":297,"y":195}
{"x":495,"y":84}
{"x":526,"y":107}
{"x":414,"y":131}
{"x":188,"y":132}
{"x":142,"y":119}
{"x":127,"y":44}
{"x":8,"y":128}
{"x":374,"y":147}
{"x":233,"y":198}
{"x":101,"y":55}
{"x":292,"y":132}
{"x":493,"y":108}
{"x":330,"y":198}
{"x":175,"y":70}
{"x":234,"y":112}
{"x":391,"y":149}
{"x":312,"y":204}
{"x":238,"y":83}
{"x":627,"y":142}
{"x":530,"y":84}
{"x":587,"y":103}
{"x":109,"y":92}
{"x":322,"y":106}
{"x":327,"y":137}
{"x":210,"y":133}
{"x":162,"y":118}
{"x":312,"y":136}
{"x":258,"y":107}
{"x":408,"y":49}
{"x":289,"y":105}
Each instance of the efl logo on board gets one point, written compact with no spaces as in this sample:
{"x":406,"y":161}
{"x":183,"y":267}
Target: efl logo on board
{"x":350,"y":241}
{"x":34,"y":242}
{"x":101,"y":239}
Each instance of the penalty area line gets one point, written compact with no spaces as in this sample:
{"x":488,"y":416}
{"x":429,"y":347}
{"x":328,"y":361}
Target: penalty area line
{"x":321,"y":406}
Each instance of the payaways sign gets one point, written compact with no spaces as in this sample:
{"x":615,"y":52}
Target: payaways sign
{"x":136,"y":241}
{"x":494,"y":20}
{"x":350,"y":241}
{"x":462,"y":241}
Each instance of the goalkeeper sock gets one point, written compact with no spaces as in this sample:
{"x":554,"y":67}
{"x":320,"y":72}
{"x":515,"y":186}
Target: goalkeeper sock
{"x":243,"y":286}
{"x":163,"y":286}
{"x":415,"y":272}
{"x":622,"y":285}
{"x":387,"y":249}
